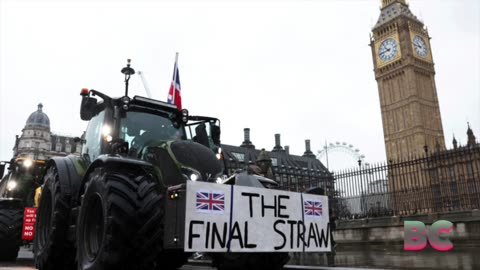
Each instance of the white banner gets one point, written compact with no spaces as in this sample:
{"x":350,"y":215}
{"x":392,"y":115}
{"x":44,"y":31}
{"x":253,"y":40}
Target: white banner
{"x":221,"y":218}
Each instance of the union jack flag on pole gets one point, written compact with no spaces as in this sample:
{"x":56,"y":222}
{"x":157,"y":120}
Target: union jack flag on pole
{"x":312,"y":208}
{"x":211,"y":202}
{"x":174,"y":95}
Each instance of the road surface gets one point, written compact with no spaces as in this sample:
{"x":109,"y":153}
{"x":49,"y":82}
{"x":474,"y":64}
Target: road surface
{"x":25,"y":262}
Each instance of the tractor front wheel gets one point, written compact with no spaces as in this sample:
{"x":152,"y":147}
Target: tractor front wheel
{"x":53,"y":248}
{"x":11,"y":221}
{"x":119,"y":222}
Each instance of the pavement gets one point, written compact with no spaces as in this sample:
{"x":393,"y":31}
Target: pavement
{"x":24,"y":261}
{"x":346,"y":260}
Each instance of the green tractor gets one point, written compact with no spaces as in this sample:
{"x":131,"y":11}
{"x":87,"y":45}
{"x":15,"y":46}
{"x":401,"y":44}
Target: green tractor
{"x":114,"y":206}
{"x":18,"y":191}
{"x":106,"y":208}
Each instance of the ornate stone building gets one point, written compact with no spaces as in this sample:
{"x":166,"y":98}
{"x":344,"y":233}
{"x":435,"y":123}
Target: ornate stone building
{"x":292,"y":172}
{"x":405,"y":74}
{"x":38,"y":142}
{"x":440,"y":181}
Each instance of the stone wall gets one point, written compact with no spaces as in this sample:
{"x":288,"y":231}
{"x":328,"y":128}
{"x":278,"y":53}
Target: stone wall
{"x":359,"y":241}
{"x":389,"y":230}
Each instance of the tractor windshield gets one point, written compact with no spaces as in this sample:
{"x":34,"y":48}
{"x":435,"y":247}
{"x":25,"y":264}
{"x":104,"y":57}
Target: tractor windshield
{"x":141,"y":129}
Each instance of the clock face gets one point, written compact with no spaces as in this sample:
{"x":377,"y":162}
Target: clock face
{"x":388,"y":49}
{"x":420,"y":46}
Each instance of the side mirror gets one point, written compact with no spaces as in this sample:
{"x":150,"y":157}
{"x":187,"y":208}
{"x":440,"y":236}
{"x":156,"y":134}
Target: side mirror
{"x":215,"y":131}
{"x":88,"y":108}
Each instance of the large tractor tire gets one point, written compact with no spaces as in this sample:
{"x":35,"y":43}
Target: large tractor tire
{"x":54,"y":250}
{"x":250,"y":261}
{"x":120,"y":220}
{"x":11,"y":221}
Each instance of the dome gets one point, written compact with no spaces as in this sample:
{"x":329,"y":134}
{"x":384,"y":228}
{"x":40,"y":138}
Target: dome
{"x":38,"y":118}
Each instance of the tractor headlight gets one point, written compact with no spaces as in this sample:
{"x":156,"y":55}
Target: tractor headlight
{"x":220,"y":178}
{"x":191,"y":174}
{"x":219,"y":154}
{"x":106,"y":131}
{"x":184,"y":114}
{"x":126,"y":102}
{"x":11,"y":185}
{"x":27,"y":163}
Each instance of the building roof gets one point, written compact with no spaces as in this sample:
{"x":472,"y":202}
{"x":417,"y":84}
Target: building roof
{"x":280,"y":159}
{"x":394,"y":10}
{"x":38,"y":118}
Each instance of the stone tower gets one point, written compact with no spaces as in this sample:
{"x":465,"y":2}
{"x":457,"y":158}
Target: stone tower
{"x":405,"y":74}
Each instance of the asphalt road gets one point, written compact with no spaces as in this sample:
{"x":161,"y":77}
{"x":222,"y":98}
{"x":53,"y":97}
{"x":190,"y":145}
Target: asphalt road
{"x":458,"y":259}
{"x":25,"y":262}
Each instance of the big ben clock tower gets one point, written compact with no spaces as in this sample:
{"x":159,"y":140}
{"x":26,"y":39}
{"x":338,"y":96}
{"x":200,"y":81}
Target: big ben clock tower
{"x":405,"y":75}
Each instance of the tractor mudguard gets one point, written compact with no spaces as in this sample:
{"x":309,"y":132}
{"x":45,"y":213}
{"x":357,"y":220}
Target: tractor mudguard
{"x":109,"y":161}
{"x":68,"y":175}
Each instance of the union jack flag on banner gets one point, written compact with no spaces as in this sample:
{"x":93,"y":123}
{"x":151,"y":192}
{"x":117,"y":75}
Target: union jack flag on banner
{"x":312,"y":208}
{"x":212,"y":202}
{"x":174,"y":95}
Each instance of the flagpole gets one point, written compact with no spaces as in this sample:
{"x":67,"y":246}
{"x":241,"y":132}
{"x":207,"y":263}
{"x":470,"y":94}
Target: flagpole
{"x":326,"y":152}
{"x":175,"y":78}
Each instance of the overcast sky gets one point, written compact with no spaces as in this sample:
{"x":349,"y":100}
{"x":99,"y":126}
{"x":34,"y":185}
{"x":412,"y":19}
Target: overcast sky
{"x":299,"y":68}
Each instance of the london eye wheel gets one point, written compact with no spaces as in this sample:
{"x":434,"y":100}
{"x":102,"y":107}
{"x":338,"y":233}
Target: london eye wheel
{"x":341,"y":155}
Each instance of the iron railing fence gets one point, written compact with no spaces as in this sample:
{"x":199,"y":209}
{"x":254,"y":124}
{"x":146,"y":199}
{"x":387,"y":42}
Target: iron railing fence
{"x":442,"y":181}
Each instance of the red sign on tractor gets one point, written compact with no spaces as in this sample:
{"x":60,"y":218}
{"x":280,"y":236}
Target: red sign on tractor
{"x":29,"y":218}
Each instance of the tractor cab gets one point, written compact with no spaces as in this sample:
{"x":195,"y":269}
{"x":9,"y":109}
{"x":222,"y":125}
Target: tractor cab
{"x":127,"y":126}
{"x":139,"y":127}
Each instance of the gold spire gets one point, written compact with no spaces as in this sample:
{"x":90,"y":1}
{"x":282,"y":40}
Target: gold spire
{"x":388,"y":2}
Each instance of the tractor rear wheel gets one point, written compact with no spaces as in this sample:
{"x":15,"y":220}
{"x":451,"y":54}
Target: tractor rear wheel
{"x":11,"y":221}
{"x":52,"y":246}
{"x":250,"y":261}
{"x":120,"y":221}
